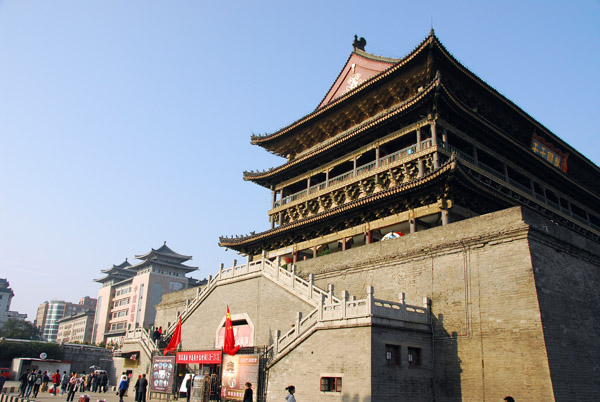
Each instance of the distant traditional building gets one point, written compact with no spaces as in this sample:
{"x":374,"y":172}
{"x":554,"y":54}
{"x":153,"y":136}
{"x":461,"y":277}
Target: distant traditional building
{"x":76,"y":328}
{"x":429,"y":241}
{"x":6,"y":295}
{"x":49,"y":313}
{"x":130,"y":292}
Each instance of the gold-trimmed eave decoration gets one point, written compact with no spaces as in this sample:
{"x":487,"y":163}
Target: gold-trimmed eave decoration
{"x":258,"y":177}
{"x":233,"y":242}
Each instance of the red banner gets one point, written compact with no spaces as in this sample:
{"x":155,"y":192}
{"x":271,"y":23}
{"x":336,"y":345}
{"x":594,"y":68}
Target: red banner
{"x":201,"y":357}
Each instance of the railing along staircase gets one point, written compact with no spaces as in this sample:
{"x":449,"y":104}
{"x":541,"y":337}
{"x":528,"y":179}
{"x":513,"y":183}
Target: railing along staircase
{"x":141,"y":336}
{"x":272,"y":270}
{"x":346,"y":311}
{"x":328,"y":307}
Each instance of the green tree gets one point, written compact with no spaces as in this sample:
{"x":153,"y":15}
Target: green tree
{"x":19,"y":329}
{"x":11,"y":349}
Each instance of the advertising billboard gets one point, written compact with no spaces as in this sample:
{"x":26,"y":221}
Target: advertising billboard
{"x":163,"y":374}
{"x":237,"y":370}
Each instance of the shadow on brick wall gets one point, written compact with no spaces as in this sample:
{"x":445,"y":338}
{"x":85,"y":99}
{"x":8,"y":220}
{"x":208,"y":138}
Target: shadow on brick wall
{"x":447,"y":365}
{"x":355,"y":398}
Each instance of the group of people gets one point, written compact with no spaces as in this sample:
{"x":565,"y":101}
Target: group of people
{"x":34,"y":381}
{"x":140,"y":387}
{"x":157,"y":334}
{"x":31,"y":382}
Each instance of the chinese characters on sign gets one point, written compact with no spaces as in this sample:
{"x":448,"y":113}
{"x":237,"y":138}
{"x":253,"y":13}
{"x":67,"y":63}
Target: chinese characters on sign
{"x":202,"y":357}
{"x":549,"y":153}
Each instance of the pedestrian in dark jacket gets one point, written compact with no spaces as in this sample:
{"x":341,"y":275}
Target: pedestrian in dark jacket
{"x":23,"y":380}
{"x":37,"y":384}
{"x":142,"y":389}
{"x":248,"y":392}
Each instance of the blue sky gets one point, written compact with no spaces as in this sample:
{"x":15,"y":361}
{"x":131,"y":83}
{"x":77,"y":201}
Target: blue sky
{"x":124,"y":124}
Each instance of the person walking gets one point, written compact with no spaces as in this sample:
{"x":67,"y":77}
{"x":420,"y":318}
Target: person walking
{"x":104,"y":383}
{"x":135,"y":387}
{"x":30,"y":383}
{"x":248,"y":392}
{"x":72,"y":387}
{"x":45,"y":381}
{"x":188,"y":386}
{"x":142,"y":389}
{"x":37,"y":384}
{"x":123,"y":385}
{"x":55,"y":382}
{"x":23,"y":380}
{"x":64,"y":383}
{"x":290,"y":397}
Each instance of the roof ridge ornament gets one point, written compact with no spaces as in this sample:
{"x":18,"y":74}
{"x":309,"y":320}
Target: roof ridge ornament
{"x":359,"y":43}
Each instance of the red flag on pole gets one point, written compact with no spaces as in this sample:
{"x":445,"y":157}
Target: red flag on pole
{"x":229,"y":343}
{"x":175,"y":339}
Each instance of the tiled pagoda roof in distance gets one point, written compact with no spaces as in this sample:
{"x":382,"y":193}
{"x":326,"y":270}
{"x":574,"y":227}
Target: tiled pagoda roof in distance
{"x":164,"y":251}
{"x":163,"y":256}
{"x":117,"y":273}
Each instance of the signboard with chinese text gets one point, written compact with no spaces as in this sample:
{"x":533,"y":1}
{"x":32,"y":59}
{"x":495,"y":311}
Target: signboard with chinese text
{"x":549,"y":153}
{"x":162,"y":374}
{"x":200,"y":357}
{"x":238,"y":370}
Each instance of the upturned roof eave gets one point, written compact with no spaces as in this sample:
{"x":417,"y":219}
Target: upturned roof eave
{"x":144,"y":263}
{"x":260,"y":177}
{"x":265,"y":139}
{"x":164,"y":250}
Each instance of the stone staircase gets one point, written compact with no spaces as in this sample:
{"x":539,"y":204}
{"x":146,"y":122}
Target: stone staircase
{"x":329,"y":309}
{"x":348,"y":312}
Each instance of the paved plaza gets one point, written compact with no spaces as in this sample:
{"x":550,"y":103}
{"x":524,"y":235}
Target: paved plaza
{"x":109,"y":396}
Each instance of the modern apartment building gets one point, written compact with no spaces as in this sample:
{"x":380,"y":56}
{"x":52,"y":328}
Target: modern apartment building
{"x":49,"y":313}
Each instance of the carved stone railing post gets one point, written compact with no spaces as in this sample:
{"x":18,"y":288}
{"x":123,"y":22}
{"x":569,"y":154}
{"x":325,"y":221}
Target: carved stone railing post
{"x":370,"y":300}
{"x":344,"y":300}
{"x":321,"y":304}
{"x":233,"y":267}
{"x":330,"y":291}
{"x":248,"y":260}
{"x":402,"y":298}
{"x":311,"y":284}
{"x":293,"y":276}
{"x":278,"y":267}
{"x":221,"y":266}
{"x":276,"y":335}
{"x":427,"y":305}
{"x":298,"y":319}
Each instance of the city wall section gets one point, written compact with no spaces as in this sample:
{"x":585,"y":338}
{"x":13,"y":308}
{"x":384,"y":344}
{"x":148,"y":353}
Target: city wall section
{"x":514,"y":303}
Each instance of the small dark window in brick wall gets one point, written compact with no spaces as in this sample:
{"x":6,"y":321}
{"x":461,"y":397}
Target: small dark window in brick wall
{"x":414,"y":357}
{"x":331,"y":384}
{"x":392,"y":355}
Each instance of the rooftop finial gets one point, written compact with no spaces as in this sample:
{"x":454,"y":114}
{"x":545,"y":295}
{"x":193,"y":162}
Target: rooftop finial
{"x":165,"y":243}
{"x":359,"y":43}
